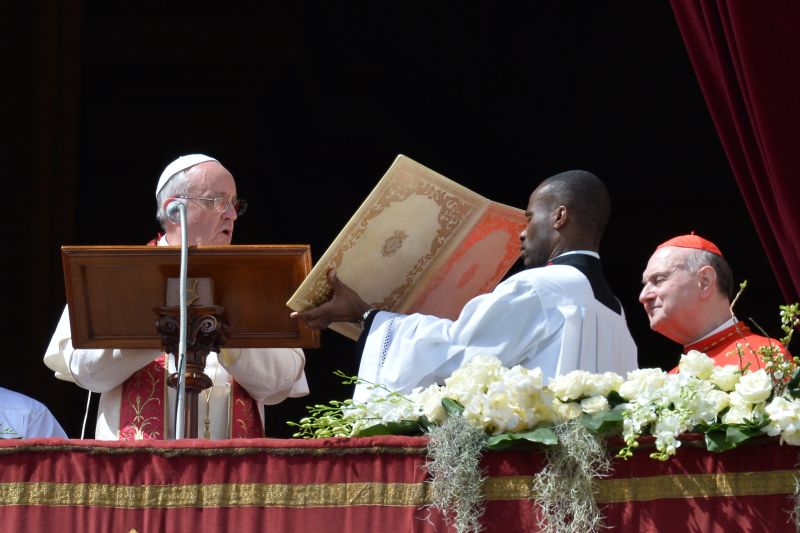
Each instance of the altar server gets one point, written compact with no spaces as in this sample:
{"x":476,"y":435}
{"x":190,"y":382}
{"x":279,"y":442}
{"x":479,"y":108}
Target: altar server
{"x":560,"y":314}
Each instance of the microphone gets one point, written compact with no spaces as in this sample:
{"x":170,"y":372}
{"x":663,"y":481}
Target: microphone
{"x":172,"y":211}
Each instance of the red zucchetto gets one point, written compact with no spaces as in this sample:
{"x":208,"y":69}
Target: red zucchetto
{"x":692,"y":241}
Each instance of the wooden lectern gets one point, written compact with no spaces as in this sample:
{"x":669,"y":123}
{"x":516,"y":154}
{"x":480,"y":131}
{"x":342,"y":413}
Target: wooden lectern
{"x":117,"y":298}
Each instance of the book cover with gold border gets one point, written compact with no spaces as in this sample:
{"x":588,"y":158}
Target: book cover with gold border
{"x":419,"y":242}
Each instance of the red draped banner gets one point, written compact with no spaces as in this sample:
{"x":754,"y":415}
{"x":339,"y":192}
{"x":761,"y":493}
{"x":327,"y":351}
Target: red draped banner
{"x":363,"y":484}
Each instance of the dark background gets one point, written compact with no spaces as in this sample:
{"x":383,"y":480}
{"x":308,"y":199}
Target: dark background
{"x":308,"y":103}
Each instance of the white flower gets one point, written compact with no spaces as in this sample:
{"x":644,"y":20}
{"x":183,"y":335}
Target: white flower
{"x":740,"y":410}
{"x":500,"y":399}
{"x":570,"y":386}
{"x":580,"y":384}
{"x":725,"y":377}
{"x":642,"y":382}
{"x":603,"y":384}
{"x":696,"y":364}
{"x":755,"y":387}
{"x":784,"y":419}
{"x":473,"y":377}
{"x":524,"y":381}
{"x":594,"y":405}
{"x":430,"y":401}
{"x":717,"y":400}
{"x":566,"y":410}
{"x":666,"y":431}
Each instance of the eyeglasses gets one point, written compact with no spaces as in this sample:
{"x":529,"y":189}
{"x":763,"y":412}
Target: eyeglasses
{"x":222,"y":204}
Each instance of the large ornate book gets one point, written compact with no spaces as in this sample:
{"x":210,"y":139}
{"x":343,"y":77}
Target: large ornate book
{"x":420,"y":242}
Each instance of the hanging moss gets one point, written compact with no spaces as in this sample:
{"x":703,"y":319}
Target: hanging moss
{"x":565,"y":488}
{"x":454,"y":455}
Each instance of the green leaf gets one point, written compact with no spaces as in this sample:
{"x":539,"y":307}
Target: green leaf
{"x":721,"y":437}
{"x":541,"y":435}
{"x":452,"y":407}
{"x":404,"y":427}
{"x":604,"y":422}
{"x":614,"y":399}
{"x":716,"y":441}
{"x":739,"y":434}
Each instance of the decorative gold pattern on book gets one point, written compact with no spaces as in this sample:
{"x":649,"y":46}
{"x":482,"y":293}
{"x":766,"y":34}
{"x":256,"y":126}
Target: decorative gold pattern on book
{"x":400,"y":238}
{"x":393,"y":243}
{"x":453,"y":212}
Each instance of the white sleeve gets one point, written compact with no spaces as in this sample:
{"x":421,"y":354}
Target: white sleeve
{"x":42,"y":423}
{"x":98,"y":370}
{"x":269,"y":375}
{"x":406,"y":351}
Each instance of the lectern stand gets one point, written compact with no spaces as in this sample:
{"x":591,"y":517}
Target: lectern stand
{"x":206,"y":333}
{"x":115,"y":295}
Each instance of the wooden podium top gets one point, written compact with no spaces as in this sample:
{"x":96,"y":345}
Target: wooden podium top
{"x":113,"y":291}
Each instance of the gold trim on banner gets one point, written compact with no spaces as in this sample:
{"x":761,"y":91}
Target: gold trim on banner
{"x":214,"y":495}
{"x":661,"y":487}
{"x":376,"y":493}
{"x":698,"y":486}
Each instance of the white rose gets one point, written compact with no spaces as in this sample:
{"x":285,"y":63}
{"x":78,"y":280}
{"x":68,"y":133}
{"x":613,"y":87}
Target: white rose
{"x":594,"y":405}
{"x":430,"y":401}
{"x":717,"y":399}
{"x":566,"y":410}
{"x":642,"y":381}
{"x":570,"y":386}
{"x":725,"y":377}
{"x":737,"y":414}
{"x":603,"y":384}
{"x":696,"y":364}
{"x":755,"y":386}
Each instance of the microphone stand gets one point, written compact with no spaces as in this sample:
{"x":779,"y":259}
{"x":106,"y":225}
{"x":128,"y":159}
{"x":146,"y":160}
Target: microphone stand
{"x":181,"y":389}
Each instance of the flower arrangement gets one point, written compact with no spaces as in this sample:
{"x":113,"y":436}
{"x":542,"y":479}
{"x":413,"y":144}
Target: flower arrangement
{"x":571,"y":414}
{"x":728,"y":404}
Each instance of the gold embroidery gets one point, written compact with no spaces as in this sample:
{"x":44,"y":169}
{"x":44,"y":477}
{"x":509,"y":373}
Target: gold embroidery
{"x":214,"y":495}
{"x":376,"y":493}
{"x":247,"y":411}
{"x":660,"y":487}
{"x":697,"y":486}
{"x":138,"y":405}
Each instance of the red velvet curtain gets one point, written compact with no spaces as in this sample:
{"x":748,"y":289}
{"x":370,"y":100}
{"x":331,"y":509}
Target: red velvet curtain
{"x":746,"y":56}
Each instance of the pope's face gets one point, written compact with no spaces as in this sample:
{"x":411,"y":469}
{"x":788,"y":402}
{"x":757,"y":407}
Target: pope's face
{"x":671,"y":294}
{"x":206,"y":225}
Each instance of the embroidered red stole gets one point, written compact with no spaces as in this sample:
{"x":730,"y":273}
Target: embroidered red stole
{"x":144,"y":404}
